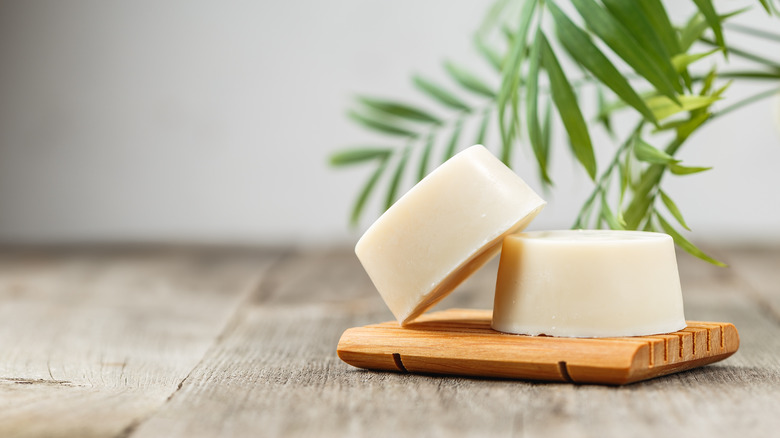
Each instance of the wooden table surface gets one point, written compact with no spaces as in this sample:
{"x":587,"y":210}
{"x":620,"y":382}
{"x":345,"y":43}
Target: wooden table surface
{"x":190,"y":342}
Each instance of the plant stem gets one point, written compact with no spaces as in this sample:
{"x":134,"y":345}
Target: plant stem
{"x":747,"y":74}
{"x":746,"y":101}
{"x":605,"y":175}
{"x":650,"y":178}
{"x":745,"y":54}
{"x":754,"y":32}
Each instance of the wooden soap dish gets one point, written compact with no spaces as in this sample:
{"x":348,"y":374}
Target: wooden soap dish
{"x":461,"y":342}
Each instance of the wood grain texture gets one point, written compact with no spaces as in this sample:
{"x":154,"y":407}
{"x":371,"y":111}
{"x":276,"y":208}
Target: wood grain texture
{"x":461,"y":342}
{"x":262,"y":358}
{"x":275,"y":371}
{"x":94,"y":342}
{"x":759,"y":269}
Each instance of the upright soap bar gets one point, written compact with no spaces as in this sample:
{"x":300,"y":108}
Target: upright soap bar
{"x":588,"y":283}
{"x":443,"y":229}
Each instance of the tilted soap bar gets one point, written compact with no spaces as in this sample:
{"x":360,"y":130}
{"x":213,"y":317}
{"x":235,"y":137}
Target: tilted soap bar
{"x":445,"y":228}
{"x":588,"y":283}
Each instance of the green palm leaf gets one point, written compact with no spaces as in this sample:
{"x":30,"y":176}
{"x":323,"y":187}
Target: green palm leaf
{"x":358,"y":155}
{"x":683,"y":60}
{"x":579,"y":45}
{"x":672,"y":207}
{"x":650,"y":154}
{"x":440,"y":94}
{"x":683,"y":243}
{"x":532,"y":110}
{"x":365,"y":192}
{"x":664,"y":107}
{"x":381,"y":125}
{"x":468,"y":80}
{"x":708,"y":10}
{"x":490,"y":54}
{"x":483,"y":125}
{"x":510,"y":80}
{"x":399,"y":109}
{"x":608,"y":216}
{"x":651,"y":51}
{"x":656,"y":14}
{"x":452,"y":145}
{"x":566,"y":102}
{"x":395,"y":182}
{"x":623,"y":43}
{"x":425,"y":157}
{"x":685,"y":170}
{"x":547,"y":136}
{"x":633,"y":17}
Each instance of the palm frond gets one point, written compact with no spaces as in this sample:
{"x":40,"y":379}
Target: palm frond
{"x":633,"y":57}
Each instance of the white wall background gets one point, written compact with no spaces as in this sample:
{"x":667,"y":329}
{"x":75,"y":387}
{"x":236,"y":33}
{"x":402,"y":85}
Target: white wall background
{"x":212,"y":121}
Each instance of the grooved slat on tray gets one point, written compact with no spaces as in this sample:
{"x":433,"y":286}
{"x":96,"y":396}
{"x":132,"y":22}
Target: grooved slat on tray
{"x":461,"y":342}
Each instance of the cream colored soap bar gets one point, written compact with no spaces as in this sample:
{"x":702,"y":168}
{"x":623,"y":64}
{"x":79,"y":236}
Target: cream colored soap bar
{"x":445,"y":228}
{"x":593,"y":283}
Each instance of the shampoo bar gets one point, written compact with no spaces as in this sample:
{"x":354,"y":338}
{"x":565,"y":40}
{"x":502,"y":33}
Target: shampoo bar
{"x":445,"y":228}
{"x":593,"y":283}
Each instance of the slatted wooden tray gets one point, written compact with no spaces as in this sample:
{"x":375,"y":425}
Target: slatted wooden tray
{"x":461,"y":342}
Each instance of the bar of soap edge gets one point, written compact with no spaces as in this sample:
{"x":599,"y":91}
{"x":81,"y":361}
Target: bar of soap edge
{"x":588,"y":283}
{"x":443,"y":229}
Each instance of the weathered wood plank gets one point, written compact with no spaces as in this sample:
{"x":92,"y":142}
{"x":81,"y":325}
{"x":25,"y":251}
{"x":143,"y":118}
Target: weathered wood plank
{"x":94,"y":341}
{"x":274,"y":372}
{"x":93,"y":344}
{"x":760,"y":269}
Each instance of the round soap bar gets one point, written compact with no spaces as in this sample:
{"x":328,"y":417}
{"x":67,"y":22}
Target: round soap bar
{"x":443,"y":229}
{"x":588,"y":283}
